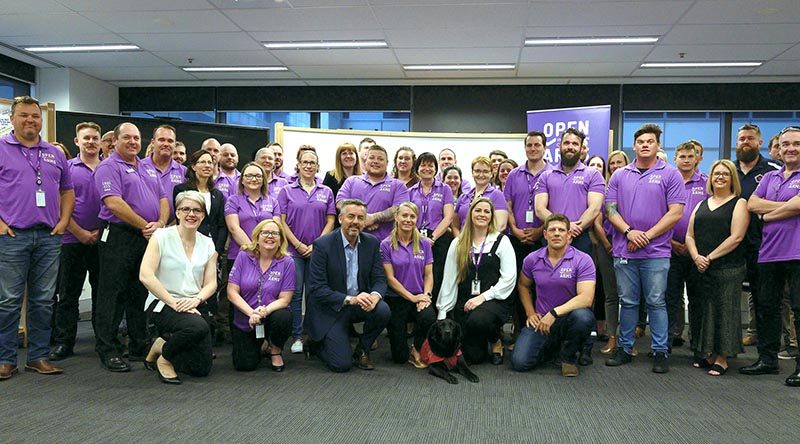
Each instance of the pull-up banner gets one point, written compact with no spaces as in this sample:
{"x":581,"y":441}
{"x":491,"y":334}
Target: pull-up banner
{"x":594,"y":121}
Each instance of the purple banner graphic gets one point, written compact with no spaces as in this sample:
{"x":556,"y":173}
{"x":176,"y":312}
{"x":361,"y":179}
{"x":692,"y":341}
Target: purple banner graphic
{"x":594,"y":121}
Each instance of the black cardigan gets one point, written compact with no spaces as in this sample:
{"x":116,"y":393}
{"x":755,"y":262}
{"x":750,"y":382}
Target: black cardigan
{"x":213,"y":224}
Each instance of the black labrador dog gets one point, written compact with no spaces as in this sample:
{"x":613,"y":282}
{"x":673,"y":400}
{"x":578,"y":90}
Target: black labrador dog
{"x":444,"y":343}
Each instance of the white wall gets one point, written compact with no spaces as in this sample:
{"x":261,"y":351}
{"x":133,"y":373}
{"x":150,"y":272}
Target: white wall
{"x":71,"y":90}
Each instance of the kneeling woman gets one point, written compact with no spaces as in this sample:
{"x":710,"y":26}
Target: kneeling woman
{"x":179,"y":269}
{"x":260,"y":287}
{"x":408,"y":263}
{"x":479,"y":274}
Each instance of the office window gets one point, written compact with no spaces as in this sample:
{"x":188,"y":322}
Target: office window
{"x":265,"y":119}
{"x":678,"y":127}
{"x":202,"y":117}
{"x":770,"y":123}
{"x":370,"y":121}
{"x":10,"y":88}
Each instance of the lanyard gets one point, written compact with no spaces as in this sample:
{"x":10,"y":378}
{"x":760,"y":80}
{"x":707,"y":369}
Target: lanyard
{"x":477,"y":260}
{"x":37,"y":168}
{"x":425,"y":199}
{"x":531,"y":188}
{"x":260,"y":290}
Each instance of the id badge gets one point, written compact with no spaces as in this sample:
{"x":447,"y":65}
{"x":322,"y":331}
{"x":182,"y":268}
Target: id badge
{"x":40,"y":201}
{"x":529,"y":217}
{"x":104,"y":236}
{"x":260,"y":331}
{"x":423,"y":232}
{"x":476,"y":287}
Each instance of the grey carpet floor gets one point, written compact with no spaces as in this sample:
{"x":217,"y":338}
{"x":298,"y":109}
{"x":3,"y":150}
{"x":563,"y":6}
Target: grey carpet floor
{"x":397,"y":403}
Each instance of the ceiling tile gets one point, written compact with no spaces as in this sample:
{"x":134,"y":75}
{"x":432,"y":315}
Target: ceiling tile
{"x":732,"y":34}
{"x":595,"y":31}
{"x":17,"y":7}
{"x":133,"y":73}
{"x":708,"y":53}
{"x":208,"y":41}
{"x":300,"y":36}
{"x":63,"y":39}
{"x":349,"y":71}
{"x":691,"y":72}
{"x":56,"y":25}
{"x":123,"y":58}
{"x":455,"y":37}
{"x":461,"y":74}
{"x":461,"y":17}
{"x":244,"y":75}
{"x":744,"y":12}
{"x":457,"y":55}
{"x":579,"y":14}
{"x":779,"y":67}
{"x":219,"y":58}
{"x":577,"y":69}
{"x":791,"y":54}
{"x":578,"y":54}
{"x":336,"y":57}
{"x":138,"y":5}
{"x":164,"y":21}
{"x":332,"y":19}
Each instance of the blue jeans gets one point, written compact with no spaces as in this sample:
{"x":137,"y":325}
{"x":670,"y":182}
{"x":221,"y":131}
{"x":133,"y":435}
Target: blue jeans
{"x":301,"y":279}
{"x":567,"y":336}
{"x":648,"y":278}
{"x":31,"y":257}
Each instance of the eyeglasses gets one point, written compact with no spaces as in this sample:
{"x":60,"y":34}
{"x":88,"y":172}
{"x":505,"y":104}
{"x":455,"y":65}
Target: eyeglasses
{"x":269,"y":234}
{"x":481,"y":172}
{"x":252,"y":176}
{"x":789,"y":129}
{"x":187,"y":210}
{"x":749,"y":126}
{"x":204,"y":162}
{"x":309,"y":163}
{"x":721,"y":174}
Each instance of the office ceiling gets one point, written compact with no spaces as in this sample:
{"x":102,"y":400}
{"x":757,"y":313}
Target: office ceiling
{"x":229,"y":33}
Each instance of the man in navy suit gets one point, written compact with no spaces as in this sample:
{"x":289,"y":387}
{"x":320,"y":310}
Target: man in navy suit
{"x":347,"y":286}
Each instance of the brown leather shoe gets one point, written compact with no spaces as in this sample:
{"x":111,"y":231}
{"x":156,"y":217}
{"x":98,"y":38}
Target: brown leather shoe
{"x":363,"y":361}
{"x":43,"y":367}
{"x":7,"y":371}
{"x":569,"y":370}
{"x":749,"y":340}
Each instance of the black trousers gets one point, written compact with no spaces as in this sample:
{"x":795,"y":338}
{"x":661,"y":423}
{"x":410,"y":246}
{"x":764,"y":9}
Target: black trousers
{"x":247,"y":348}
{"x":439,"y":251}
{"x":521,"y":251}
{"x":404,"y":311}
{"x":682,"y":271}
{"x":774,"y":278}
{"x":119,"y":291}
{"x":76,"y":260}
{"x":481,"y":327}
{"x":188,"y":341}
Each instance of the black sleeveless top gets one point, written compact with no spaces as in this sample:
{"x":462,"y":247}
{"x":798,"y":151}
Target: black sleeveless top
{"x":711,"y":228}
{"x":488,"y":272}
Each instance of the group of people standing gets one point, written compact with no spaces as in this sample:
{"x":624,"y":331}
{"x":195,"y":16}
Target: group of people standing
{"x":204,"y":249}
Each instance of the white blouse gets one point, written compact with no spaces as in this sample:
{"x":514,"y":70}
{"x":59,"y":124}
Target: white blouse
{"x":180,"y":275}
{"x":448,"y":294}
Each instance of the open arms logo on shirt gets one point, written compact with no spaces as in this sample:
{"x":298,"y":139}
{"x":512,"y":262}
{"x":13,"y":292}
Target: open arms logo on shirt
{"x":566,"y":272}
{"x":654,"y":178}
{"x":274,"y":276}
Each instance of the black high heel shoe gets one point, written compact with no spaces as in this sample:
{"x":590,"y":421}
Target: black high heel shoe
{"x":172,"y":381}
{"x":150,"y":365}
{"x":276,"y":368}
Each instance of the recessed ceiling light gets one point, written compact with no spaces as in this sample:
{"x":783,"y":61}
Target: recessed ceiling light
{"x":590,"y":41}
{"x":471,"y":67}
{"x":82,"y":48}
{"x":701,"y":64}
{"x":233,"y":68}
{"x":322,"y":44}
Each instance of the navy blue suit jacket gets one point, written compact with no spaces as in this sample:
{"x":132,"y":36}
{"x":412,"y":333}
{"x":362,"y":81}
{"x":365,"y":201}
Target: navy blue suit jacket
{"x":328,"y":280}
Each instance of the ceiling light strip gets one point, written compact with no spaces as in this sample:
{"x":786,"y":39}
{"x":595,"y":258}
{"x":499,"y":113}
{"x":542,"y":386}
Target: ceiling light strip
{"x":234,"y":68}
{"x":333,"y":44}
{"x":468,"y":67}
{"x":700,"y":64}
{"x":590,"y":41}
{"x":82,"y":48}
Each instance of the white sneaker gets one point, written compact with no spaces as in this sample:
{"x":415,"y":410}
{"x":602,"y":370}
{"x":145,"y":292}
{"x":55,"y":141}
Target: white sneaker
{"x":297,"y":346}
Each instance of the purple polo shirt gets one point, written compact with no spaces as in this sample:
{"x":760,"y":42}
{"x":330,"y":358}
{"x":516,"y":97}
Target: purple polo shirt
{"x":174,"y":174}
{"x":387,"y":192}
{"x":87,"y":202}
{"x":695,"y":193}
{"x":557,"y":285}
{"x":519,"y":190}
{"x":227,"y":184}
{"x":139,"y":186}
{"x":780,"y":239}
{"x":282,"y":175}
{"x":465,"y":200}
{"x":642,"y":200}
{"x":246,"y":273}
{"x":431,"y":206}
{"x":18,"y":182}
{"x":275,"y":186}
{"x":250,"y":214}
{"x":306,"y":213}
{"x":409,"y":268}
{"x":567,"y":193}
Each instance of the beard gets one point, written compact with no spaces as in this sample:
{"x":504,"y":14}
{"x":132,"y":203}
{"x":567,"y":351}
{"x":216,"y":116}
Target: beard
{"x":570,"y":160}
{"x":746,"y":154}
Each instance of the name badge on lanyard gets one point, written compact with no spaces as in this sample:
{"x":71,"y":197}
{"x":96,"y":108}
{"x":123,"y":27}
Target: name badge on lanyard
{"x":529,"y":216}
{"x":476,"y":283}
{"x":41,"y":202}
{"x":423,"y":232}
{"x":260,"y":327}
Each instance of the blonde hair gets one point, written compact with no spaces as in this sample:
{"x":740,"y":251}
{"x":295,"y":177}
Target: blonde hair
{"x":338,"y":170}
{"x":736,"y":186}
{"x":252,"y":247}
{"x":264,"y":190}
{"x":464,"y":240}
{"x":414,"y":233}
{"x":481,"y":159}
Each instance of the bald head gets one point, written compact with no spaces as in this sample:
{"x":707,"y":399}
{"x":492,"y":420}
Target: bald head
{"x":213,"y":147}
{"x":228,"y":157}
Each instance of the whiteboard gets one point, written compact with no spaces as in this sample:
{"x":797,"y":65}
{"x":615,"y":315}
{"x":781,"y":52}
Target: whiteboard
{"x":466,"y":146}
{"x":48,"y":119}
